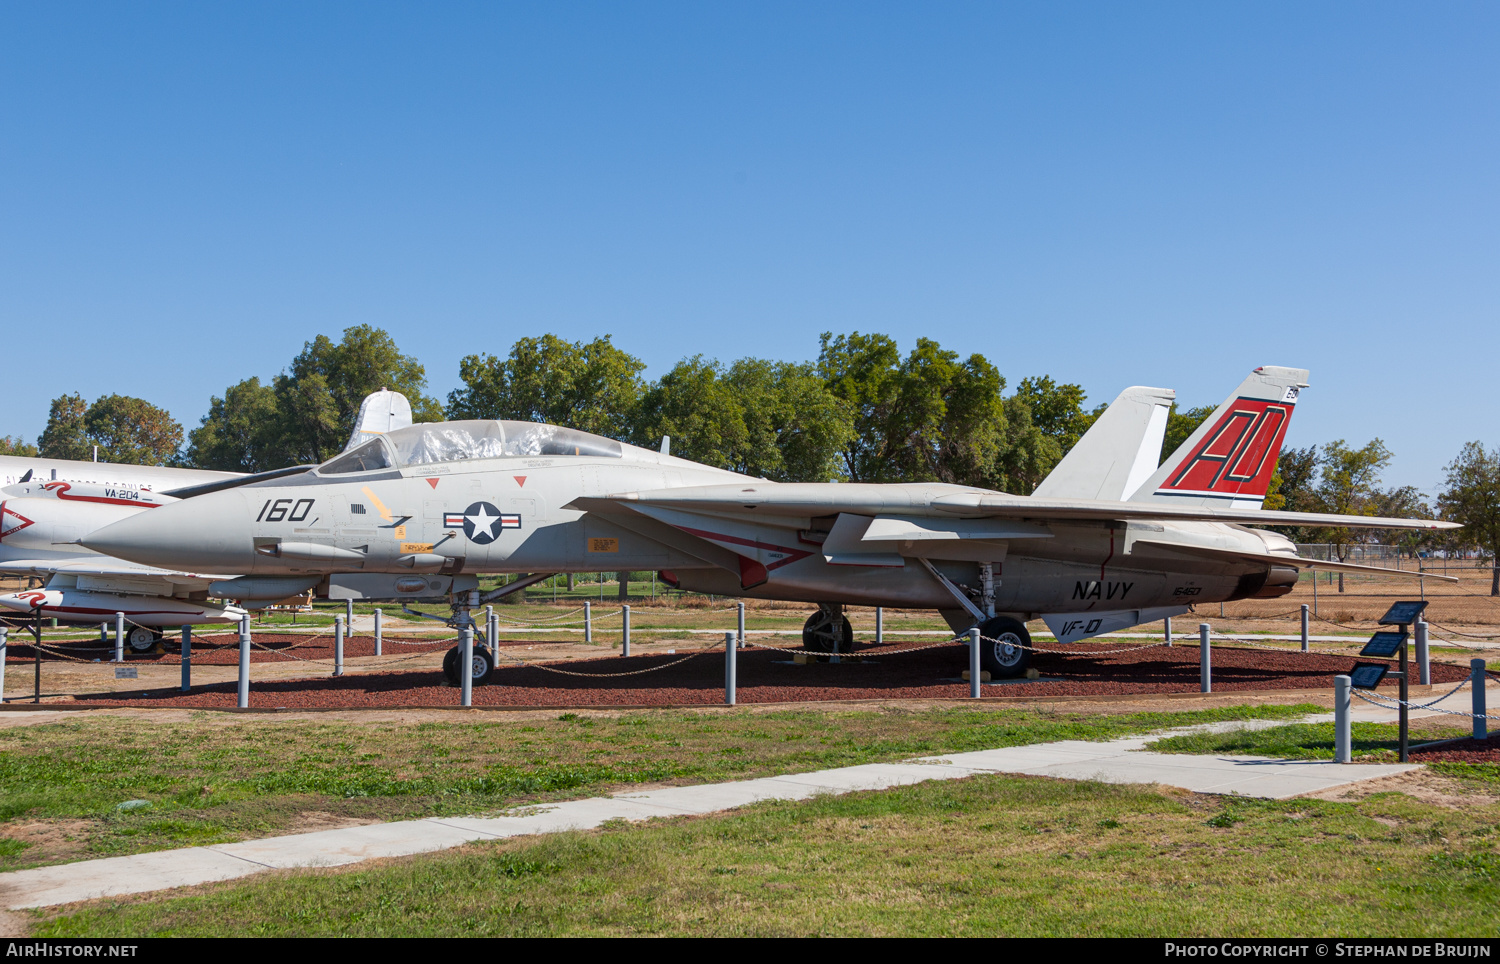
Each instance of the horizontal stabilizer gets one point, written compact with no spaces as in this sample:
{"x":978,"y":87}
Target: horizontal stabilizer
{"x":1294,"y":562}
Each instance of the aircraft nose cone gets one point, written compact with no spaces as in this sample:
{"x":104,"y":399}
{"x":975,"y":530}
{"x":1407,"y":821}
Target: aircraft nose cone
{"x":206,"y":533}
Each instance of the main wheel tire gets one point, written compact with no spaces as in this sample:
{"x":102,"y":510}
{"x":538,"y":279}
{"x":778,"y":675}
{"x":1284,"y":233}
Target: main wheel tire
{"x":818,"y":633}
{"x":484,"y":663}
{"x":1004,"y":649}
{"x":142,"y":640}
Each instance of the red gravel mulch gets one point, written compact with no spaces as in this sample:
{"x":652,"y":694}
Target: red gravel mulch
{"x":1462,"y":751}
{"x":766,"y":676}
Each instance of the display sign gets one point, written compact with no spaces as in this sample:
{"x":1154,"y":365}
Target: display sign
{"x":1403,"y":613}
{"x":1367,"y":676}
{"x":1384,"y":645}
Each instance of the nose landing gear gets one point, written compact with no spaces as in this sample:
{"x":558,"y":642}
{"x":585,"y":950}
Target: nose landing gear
{"x":828,"y":630}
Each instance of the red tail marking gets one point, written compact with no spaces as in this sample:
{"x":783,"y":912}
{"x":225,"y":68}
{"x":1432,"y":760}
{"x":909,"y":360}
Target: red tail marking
{"x":431,"y":482}
{"x":1238,"y":456}
{"x":520,"y":480}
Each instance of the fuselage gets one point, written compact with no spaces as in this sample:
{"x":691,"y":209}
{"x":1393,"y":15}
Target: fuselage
{"x":495,"y":506}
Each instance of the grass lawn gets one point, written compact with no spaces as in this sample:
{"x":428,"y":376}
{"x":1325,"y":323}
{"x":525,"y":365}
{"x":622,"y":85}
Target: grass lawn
{"x":1370,"y":742}
{"x":985,"y":856}
{"x":217,"y":778}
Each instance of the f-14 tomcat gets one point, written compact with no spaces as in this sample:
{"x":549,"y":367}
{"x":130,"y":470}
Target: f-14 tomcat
{"x":1108,"y":540}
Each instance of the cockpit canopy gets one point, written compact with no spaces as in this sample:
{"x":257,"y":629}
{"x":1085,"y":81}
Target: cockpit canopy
{"x":430,"y":442}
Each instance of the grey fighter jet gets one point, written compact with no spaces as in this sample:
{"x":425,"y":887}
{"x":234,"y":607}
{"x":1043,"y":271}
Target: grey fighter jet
{"x":1110,"y":539}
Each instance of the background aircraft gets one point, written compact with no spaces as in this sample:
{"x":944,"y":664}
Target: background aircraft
{"x":1106,"y":542}
{"x":47,"y":505}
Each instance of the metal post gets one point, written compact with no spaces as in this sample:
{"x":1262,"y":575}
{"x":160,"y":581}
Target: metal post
{"x":625,"y":632}
{"x":4,"y":652}
{"x":119,"y":637}
{"x":378,"y":614}
{"x":36,"y":631}
{"x":187,"y":658}
{"x":1424,"y":665}
{"x":490,"y":630}
{"x":349,"y":614}
{"x":1405,"y":695}
{"x":729,"y":680}
{"x":879,"y":625}
{"x":1304,"y":627}
{"x":741,"y":637}
{"x":1167,"y":630}
{"x":1315,"y":592}
{"x":1476,"y":666}
{"x":588,"y":621}
{"x":974,"y":681}
{"x":466,"y":664}
{"x":244,"y":691}
{"x":1342,"y":697}
{"x":338,"y":646}
{"x":1205,"y":661}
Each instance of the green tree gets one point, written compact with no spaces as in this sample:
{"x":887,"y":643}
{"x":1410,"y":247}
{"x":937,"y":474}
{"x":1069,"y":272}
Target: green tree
{"x":241,"y":432}
{"x":928,"y":417}
{"x":14,"y":446}
{"x":1057,"y":410}
{"x":1349,"y":485}
{"x":65,"y":436}
{"x":318,"y":399}
{"x":1471,"y":496}
{"x":591,"y":386}
{"x":132,"y":430}
{"x":125,"y":429}
{"x":1030,"y":453}
{"x":695,"y":404}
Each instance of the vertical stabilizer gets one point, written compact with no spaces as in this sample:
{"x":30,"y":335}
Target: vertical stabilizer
{"x":1118,"y":452}
{"x":1229,"y":461}
{"x":381,"y":412}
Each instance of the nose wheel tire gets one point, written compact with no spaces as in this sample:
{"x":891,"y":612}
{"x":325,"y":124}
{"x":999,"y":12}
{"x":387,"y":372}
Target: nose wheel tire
{"x":1001,"y":649}
{"x":142,"y":640}
{"x":821,"y":629}
{"x":484,"y":663}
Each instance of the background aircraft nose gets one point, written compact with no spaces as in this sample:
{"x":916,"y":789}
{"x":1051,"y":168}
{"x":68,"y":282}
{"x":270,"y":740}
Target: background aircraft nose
{"x":209,"y":532}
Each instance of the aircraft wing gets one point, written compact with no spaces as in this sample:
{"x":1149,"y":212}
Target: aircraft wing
{"x":1296,"y":562}
{"x":815,"y":499}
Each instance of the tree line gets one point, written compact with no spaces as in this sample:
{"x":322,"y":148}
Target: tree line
{"x":861,"y":411}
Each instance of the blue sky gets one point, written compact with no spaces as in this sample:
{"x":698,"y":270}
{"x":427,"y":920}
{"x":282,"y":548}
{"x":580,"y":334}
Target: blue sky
{"x":1112,"y":194}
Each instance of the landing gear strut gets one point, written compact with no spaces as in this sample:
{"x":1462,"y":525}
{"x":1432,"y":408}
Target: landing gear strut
{"x":828,"y":630}
{"x":484,"y":657}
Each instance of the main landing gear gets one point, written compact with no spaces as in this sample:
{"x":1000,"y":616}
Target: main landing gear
{"x":1004,"y":647}
{"x":484,"y":662}
{"x":828,"y":630}
{"x":140,"y":639}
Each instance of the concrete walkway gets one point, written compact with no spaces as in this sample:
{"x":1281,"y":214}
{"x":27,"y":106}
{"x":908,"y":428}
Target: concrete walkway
{"x":1116,"y":761}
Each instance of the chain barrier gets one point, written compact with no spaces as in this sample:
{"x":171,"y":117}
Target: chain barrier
{"x":1456,"y":632}
{"x":1389,"y":702}
{"x":538,"y":622}
{"x":633,"y":672}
